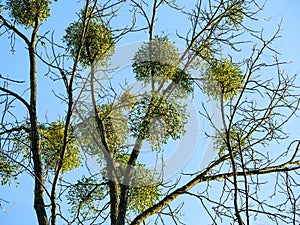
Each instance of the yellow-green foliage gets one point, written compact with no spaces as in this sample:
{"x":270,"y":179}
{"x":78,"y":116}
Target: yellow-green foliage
{"x":51,"y":146}
{"x":115,"y":125}
{"x":204,"y":51}
{"x":236,"y":139}
{"x":97,"y":45}
{"x":115,"y":130}
{"x":158,"y":56}
{"x":235,"y":13}
{"x":157,"y":119}
{"x":127,"y":100}
{"x":85,"y":195}
{"x":27,"y":12}
{"x":223,"y":78}
{"x":144,"y":188}
{"x":7,"y":170}
{"x":158,"y":60}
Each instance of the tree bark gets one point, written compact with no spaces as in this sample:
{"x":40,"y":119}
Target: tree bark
{"x":39,"y":204}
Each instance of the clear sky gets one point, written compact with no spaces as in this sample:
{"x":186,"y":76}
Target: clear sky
{"x":19,"y":210}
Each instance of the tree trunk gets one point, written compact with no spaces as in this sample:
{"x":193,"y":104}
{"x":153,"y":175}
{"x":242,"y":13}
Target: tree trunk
{"x":39,"y":204}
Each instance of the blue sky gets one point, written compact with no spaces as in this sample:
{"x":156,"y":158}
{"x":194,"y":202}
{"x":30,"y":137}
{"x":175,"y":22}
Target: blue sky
{"x":20,"y":199}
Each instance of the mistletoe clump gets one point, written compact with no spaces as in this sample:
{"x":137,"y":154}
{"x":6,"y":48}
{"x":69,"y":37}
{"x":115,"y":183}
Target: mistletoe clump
{"x":158,"y":61}
{"x":97,"y":44}
{"x":223,"y":78}
{"x":52,"y":138}
{"x":28,"y":12}
{"x":235,"y":13}
{"x":236,"y":141}
{"x":156,"y":119}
